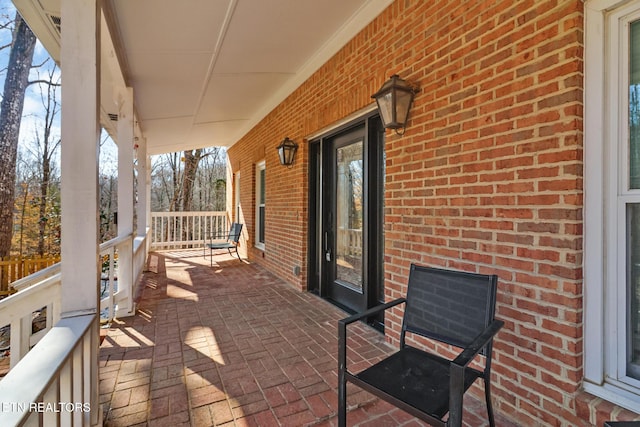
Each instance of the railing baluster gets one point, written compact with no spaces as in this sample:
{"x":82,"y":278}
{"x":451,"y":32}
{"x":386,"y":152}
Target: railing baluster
{"x":65,"y":386}
{"x":51,"y":397}
{"x":49,"y":322}
{"x":77,"y":382}
{"x":34,"y":420}
{"x":112,"y":269}
{"x":20,"y":337}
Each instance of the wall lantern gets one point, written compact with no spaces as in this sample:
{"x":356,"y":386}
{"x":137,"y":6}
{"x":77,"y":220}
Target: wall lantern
{"x":287,"y":152}
{"x":394,"y":101}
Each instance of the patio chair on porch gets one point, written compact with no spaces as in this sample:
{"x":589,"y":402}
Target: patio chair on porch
{"x":229,"y":241}
{"x":450,"y":307}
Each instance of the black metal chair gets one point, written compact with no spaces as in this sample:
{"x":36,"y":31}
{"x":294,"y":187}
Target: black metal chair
{"x":622,"y":424}
{"x":452,"y":307}
{"x":230,"y":242}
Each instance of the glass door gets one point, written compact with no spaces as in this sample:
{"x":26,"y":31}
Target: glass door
{"x":349,"y":201}
{"x":346,"y":208}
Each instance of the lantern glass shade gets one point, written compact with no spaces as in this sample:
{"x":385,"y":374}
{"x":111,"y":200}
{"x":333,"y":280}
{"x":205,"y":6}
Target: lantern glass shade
{"x":287,"y":152}
{"x":394,"y":101}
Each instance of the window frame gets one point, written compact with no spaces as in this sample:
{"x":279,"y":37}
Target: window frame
{"x":260,"y":166}
{"x":607,"y":194}
{"x":238,"y":216}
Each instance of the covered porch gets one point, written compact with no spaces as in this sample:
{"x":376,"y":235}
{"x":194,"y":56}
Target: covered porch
{"x":234,"y":345}
{"x":500,"y":169}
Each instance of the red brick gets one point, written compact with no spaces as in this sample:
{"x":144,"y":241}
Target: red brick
{"x":488,"y":175}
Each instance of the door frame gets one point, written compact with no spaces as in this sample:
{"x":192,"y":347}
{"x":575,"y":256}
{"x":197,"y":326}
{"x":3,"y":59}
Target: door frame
{"x":373,"y":267}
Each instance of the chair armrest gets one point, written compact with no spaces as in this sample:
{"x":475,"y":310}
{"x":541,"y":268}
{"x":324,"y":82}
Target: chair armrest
{"x":342,"y":332}
{"x":212,"y":236}
{"x":481,"y":340}
{"x":371,"y":311}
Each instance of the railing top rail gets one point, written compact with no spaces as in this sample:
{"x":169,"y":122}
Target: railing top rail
{"x":115,"y":242}
{"x":36,"y":277}
{"x":29,"y":380}
{"x":189,"y":213}
{"x":27,"y":300}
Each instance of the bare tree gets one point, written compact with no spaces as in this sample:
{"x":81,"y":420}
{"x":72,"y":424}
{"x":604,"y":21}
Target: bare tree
{"x":47,"y":148}
{"x":15,"y":85}
{"x":189,"y":181}
{"x":191,"y":161}
{"x":108,"y":183}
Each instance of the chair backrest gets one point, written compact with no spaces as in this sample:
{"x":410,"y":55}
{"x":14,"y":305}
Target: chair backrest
{"x":234,"y":232}
{"x":450,"y":306}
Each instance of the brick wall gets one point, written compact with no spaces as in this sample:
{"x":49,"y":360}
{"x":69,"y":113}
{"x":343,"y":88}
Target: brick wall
{"x":487,"y":178}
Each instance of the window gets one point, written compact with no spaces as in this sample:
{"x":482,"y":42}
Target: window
{"x":260,"y":204}
{"x":612,"y":201}
{"x":238,"y":215}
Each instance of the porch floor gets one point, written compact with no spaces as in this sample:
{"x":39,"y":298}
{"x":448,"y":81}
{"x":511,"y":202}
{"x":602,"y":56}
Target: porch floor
{"x":233,"y":345}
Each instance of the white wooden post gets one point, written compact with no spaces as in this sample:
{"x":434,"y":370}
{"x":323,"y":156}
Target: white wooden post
{"x":144,"y":180}
{"x":125,"y":203}
{"x":80,"y":65}
{"x":80,"y":60}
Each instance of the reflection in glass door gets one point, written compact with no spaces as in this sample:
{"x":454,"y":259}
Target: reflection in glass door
{"x":349,"y":215}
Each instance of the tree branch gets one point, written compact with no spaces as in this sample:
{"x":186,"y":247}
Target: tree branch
{"x":39,"y":65}
{"x":47,"y":82}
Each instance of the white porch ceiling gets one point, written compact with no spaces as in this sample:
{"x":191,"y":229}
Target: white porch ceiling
{"x":204,"y":72}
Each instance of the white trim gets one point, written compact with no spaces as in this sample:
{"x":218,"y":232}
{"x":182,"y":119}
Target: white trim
{"x":259,"y":167}
{"x":238,"y":217}
{"x":594,"y":194}
{"x":617,"y":395}
{"x":606,"y":200}
{"x":350,"y":118}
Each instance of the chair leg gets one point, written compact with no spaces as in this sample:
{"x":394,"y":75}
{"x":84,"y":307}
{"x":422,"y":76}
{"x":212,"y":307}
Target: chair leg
{"x":342,"y":400}
{"x":342,"y":378}
{"x":237,"y":254}
{"x":487,"y":394}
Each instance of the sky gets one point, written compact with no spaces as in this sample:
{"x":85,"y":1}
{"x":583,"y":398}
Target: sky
{"x":33,"y":110}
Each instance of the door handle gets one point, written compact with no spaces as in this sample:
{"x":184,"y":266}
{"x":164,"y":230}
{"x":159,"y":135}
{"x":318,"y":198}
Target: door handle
{"x":327,"y":251}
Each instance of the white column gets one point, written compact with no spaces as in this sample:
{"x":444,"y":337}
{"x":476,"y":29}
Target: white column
{"x":80,"y":64}
{"x":143,"y":185}
{"x":124,"y":296}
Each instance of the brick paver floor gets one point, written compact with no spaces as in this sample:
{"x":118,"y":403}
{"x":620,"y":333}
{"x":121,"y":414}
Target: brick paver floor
{"x":232,"y":345}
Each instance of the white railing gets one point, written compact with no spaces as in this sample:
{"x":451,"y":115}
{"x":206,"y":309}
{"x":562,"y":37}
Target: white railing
{"x":350,"y":241}
{"x":140,"y":251}
{"x":39,"y":291}
{"x":56,"y":382}
{"x":118,"y":292}
{"x":175,"y":230}
{"x":110,"y":293}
